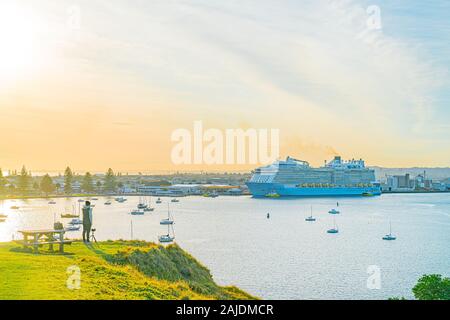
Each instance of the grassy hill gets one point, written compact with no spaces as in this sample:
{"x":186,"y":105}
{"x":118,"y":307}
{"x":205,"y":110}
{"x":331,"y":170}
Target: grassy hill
{"x":111,"y":270}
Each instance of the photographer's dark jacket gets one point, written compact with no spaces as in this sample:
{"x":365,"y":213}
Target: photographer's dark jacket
{"x":87,"y":215}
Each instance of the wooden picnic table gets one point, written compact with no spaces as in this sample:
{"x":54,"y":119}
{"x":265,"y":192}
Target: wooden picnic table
{"x":36,"y":238}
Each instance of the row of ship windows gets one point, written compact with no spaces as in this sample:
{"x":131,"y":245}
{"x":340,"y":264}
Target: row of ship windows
{"x":329,"y":185}
{"x":322,"y":181}
{"x":262,"y":179}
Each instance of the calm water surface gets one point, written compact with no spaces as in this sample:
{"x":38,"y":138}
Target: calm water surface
{"x":283,"y":257}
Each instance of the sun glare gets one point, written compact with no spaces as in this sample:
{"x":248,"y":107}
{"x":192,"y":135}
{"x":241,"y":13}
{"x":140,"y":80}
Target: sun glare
{"x":19,"y":54}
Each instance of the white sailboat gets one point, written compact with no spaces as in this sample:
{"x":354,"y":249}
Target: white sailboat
{"x":71,"y":215}
{"x":334,"y":229}
{"x":76,"y":221}
{"x":149,"y":208}
{"x":169,"y":220}
{"x":141,"y":204}
{"x":137,"y":212}
{"x":72,"y":227}
{"x":121,"y":199}
{"x":389,"y":237}
{"x":311,"y":218}
{"x":167,"y":238}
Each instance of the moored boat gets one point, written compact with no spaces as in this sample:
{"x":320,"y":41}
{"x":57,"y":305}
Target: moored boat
{"x":335,"y":229}
{"x":137,"y":212}
{"x":311,"y":218}
{"x":72,"y":227}
{"x":389,"y":237}
{"x":334,"y":211}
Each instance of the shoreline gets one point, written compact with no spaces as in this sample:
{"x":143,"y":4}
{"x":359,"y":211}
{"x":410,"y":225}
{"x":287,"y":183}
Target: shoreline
{"x":413,"y":192}
{"x":82,"y":195}
{"x":108,"y":195}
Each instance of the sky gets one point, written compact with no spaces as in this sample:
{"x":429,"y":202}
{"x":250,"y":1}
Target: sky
{"x":94,"y":84}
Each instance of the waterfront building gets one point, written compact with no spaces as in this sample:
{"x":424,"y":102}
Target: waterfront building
{"x":439,"y":186}
{"x":400,"y":183}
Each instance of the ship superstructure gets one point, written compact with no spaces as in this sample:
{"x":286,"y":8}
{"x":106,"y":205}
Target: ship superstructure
{"x":292,"y":177}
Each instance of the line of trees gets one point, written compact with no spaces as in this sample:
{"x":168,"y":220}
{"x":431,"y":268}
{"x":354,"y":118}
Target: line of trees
{"x":25,"y":184}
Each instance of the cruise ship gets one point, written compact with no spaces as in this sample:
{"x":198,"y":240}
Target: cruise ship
{"x":292,"y":177}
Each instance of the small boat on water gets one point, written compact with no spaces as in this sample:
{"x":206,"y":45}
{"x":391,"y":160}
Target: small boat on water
{"x":334,"y":229}
{"x":169,"y":220}
{"x":142,"y":204}
{"x":389,"y":237}
{"x":148,"y":207}
{"x":69,"y":215}
{"x":272,"y":194}
{"x":120,"y":199}
{"x":334,"y":211}
{"x":137,"y":212}
{"x":165,"y":222}
{"x":72,"y":227}
{"x":211,"y":195}
{"x":310,"y":218}
{"x":167,"y":238}
{"x":76,"y":221}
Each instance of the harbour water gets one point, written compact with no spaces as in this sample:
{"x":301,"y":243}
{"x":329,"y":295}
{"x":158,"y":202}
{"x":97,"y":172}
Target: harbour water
{"x":283,"y":257}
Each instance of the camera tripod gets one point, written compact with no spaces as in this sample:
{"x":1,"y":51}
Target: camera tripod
{"x":92,"y":236}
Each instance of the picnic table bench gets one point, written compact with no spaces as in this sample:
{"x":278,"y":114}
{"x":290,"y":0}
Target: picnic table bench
{"x":36,"y":238}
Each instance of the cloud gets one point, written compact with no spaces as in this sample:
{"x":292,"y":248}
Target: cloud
{"x":311,"y":68}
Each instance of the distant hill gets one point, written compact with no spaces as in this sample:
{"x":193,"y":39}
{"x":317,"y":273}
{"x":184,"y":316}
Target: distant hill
{"x":433,"y":173}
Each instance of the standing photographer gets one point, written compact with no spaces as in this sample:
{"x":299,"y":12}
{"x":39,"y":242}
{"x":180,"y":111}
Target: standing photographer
{"x":87,"y":221}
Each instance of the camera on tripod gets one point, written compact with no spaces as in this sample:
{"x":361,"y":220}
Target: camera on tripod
{"x":92,"y":237}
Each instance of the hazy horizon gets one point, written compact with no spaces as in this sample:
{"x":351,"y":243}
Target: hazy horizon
{"x":80,"y":172}
{"x":97,"y":84}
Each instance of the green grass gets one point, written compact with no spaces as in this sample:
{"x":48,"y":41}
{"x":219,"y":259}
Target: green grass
{"x":111,"y":270}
